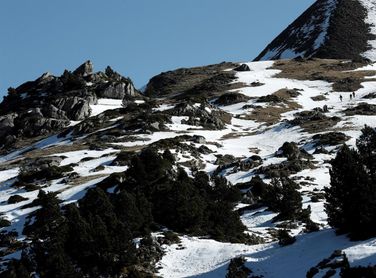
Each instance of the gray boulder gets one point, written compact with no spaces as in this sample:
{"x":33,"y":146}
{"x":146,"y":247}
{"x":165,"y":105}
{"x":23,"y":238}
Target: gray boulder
{"x":118,"y":90}
{"x":76,"y":108}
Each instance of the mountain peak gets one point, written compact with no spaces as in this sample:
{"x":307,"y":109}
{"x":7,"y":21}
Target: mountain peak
{"x":85,"y":69}
{"x":332,"y":29}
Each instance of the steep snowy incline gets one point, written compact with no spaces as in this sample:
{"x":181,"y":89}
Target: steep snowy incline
{"x":329,"y":29}
{"x":370,"y":5}
{"x":304,"y":36}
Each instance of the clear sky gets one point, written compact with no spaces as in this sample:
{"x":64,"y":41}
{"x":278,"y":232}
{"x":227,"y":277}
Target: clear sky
{"x":138,"y":38}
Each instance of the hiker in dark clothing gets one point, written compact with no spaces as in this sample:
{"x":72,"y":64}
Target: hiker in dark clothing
{"x":325,"y":108}
{"x":340,"y":98}
{"x":351,"y":96}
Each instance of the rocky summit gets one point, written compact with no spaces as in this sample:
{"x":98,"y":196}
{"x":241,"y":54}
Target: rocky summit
{"x":49,"y":104}
{"x":252,"y":169}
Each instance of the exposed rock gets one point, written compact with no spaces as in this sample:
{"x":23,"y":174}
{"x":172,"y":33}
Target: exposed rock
{"x":7,"y":124}
{"x":362,"y":109}
{"x":370,"y":96}
{"x":231,"y":98}
{"x":320,"y":150}
{"x":270,"y":98}
{"x":314,"y":120}
{"x":347,"y":23}
{"x":84,"y":69}
{"x":330,"y":139}
{"x":77,"y":109}
{"x":291,"y":151}
{"x":348,"y":84}
{"x":33,"y":123}
{"x":285,"y":169}
{"x":16,"y":199}
{"x":242,"y":67}
{"x":236,"y":165}
{"x":203,"y":114}
{"x":117,"y":90}
{"x":38,"y":164}
{"x":224,"y":159}
{"x":319,"y":98}
{"x":51,"y":111}
{"x":198,"y":139}
{"x":48,"y":104}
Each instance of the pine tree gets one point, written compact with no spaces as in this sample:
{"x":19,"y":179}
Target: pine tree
{"x":351,"y":198}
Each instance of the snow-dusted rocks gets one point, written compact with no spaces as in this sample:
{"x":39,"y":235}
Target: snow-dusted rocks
{"x":337,"y":29}
{"x":226,"y":138}
{"x":50,"y":104}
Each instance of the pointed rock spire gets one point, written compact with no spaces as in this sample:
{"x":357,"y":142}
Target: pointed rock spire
{"x":84,"y":69}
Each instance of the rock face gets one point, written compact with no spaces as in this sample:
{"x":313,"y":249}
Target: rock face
{"x":48,"y":104}
{"x":118,"y":90}
{"x":336,"y":29}
{"x":85,"y":69}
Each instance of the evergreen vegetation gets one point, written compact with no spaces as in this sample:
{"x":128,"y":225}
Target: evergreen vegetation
{"x":351,"y":199}
{"x":94,"y":238}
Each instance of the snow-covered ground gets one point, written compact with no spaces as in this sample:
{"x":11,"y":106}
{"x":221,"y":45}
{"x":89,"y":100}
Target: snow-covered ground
{"x":105,"y":104}
{"x":370,"y":5}
{"x":208,"y":258}
{"x":312,"y":28}
{"x":242,"y":138}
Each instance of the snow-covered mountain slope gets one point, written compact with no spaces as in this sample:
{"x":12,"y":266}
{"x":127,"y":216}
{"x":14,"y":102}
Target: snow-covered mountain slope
{"x":239,"y":139}
{"x":370,"y":5}
{"x":337,"y":29}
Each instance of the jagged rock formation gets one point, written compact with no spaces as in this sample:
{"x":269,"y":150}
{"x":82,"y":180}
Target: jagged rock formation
{"x":50,"y":103}
{"x":336,"y":29}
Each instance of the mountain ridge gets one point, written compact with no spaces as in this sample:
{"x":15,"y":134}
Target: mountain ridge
{"x":331,"y":29}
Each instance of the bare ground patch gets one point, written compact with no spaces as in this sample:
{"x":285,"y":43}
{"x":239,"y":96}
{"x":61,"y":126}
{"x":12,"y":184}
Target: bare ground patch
{"x":338,"y":72}
{"x":272,"y":113}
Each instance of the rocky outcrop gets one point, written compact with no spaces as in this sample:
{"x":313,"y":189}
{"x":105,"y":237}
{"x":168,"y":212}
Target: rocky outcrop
{"x":361,"y":109}
{"x":38,"y":164}
{"x":231,"y":98}
{"x":205,"y":115}
{"x":48,"y":104}
{"x":313,"y":120}
{"x":85,"y":69}
{"x":291,"y":151}
{"x":117,"y":90}
{"x":330,"y":139}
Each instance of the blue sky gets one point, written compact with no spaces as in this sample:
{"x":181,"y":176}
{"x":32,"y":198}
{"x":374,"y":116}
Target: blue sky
{"x":138,"y":38}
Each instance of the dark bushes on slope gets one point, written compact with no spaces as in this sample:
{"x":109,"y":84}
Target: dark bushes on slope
{"x":94,"y":238}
